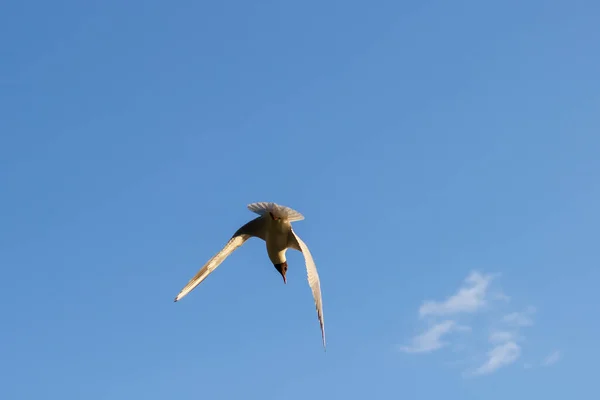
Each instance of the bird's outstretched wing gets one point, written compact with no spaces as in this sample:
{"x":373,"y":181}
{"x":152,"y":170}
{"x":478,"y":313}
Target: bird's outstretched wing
{"x":313,"y":278}
{"x":256,"y":227}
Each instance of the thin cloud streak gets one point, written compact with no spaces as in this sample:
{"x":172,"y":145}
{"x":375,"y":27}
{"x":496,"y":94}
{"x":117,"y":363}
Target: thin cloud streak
{"x":501,"y":337}
{"x":520,"y":318}
{"x":500,"y":356}
{"x":470,"y":298}
{"x":431,"y":339}
{"x":552,"y":358}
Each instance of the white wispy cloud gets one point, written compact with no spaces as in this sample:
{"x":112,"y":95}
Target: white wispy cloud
{"x":552,"y":358}
{"x":431,"y":339}
{"x":499,"y":295}
{"x":479,"y":301}
{"x":500,"y":356}
{"x":501,"y":336}
{"x":522,"y":318}
{"x":470,"y":298}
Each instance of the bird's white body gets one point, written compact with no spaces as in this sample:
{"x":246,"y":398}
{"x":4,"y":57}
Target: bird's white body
{"x":275,"y":228}
{"x":277,"y":239}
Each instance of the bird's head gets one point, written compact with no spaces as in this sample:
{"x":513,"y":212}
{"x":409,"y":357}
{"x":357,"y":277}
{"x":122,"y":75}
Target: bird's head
{"x":282,"y":269}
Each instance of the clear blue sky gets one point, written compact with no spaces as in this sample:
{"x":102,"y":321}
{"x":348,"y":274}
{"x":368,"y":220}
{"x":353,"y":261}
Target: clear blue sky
{"x":431,"y":146}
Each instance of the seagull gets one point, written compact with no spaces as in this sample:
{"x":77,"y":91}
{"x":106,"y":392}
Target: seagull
{"x":274,"y":227}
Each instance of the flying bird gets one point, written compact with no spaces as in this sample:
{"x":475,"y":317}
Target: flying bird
{"x":274,"y":226}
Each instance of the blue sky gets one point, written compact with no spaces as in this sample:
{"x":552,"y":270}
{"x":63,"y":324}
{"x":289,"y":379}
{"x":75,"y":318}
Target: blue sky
{"x":444,"y":154}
